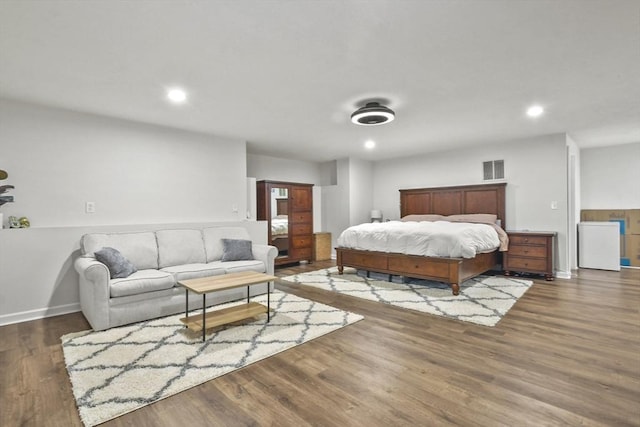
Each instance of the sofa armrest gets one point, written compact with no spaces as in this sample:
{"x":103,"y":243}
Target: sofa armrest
{"x":266,"y":254}
{"x":91,"y":269}
{"x":94,"y":291}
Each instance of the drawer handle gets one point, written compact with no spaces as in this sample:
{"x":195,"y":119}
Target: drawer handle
{"x":526,"y":240}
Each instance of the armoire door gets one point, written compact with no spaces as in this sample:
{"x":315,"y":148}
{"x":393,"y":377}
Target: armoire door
{"x":301,"y":222}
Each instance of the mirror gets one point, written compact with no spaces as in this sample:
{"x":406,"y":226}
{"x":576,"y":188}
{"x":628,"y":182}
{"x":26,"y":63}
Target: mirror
{"x":280,"y":220}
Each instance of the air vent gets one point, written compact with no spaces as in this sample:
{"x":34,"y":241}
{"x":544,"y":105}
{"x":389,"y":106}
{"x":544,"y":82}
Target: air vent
{"x":493,"y":169}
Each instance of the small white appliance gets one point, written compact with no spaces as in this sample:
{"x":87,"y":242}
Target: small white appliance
{"x":599,"y":245}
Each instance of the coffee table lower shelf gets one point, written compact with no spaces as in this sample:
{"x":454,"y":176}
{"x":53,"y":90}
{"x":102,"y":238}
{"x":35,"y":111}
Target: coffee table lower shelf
{"x":224,"y":316}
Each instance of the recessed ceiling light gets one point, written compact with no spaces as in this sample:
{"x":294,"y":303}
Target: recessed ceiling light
{"x":535,"y":111}
{"x":369,"y":144}
{"x":177,"y":95}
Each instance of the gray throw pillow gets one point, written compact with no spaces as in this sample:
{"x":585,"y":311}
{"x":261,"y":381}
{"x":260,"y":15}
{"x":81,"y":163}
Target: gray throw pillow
{"x":119,"y":267}
{"x":236,"y":250}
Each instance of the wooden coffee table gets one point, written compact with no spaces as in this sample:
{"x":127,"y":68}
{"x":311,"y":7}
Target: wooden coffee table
{"x":211,"y":319}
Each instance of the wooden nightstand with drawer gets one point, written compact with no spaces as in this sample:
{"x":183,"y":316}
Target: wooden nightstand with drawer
{"x":321,"y":246}
{"x":530,"y":252}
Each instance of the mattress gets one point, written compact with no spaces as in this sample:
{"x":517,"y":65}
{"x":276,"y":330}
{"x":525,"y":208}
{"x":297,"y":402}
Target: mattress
{"x":425,"y":238}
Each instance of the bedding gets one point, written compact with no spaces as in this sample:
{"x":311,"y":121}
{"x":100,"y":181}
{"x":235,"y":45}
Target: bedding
{"x":279,"y":226}
{"x":425,"y":238}
{"x":428,"y":217}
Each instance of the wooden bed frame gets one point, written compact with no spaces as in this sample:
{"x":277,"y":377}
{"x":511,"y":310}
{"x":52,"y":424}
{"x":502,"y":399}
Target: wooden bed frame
{"x":467,"y":199}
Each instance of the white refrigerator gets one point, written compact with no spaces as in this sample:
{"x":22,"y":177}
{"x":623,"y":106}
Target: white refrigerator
{"x":599,"y":245}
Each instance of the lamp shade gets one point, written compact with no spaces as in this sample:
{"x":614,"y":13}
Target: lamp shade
{"x":376,"y":214}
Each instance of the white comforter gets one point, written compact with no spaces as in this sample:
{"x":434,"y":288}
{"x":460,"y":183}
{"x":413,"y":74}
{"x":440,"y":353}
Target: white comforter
{"x":434,"y":239}
{"x":279,"y":226}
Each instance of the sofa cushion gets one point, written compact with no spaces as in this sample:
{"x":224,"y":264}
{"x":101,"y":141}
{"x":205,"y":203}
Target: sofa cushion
{"x":193,"y":271}
{"x":213,"y":240}
{"x":140,"y":282}
{"x":178,"y":247}
{"x":236,"y":250}
{"x":117,"y":264}
{"x":236,"y":266}
{"x":139,"y":248}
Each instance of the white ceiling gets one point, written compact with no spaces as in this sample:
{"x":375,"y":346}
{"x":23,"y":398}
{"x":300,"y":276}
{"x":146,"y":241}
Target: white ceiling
{"x":286,"y":75}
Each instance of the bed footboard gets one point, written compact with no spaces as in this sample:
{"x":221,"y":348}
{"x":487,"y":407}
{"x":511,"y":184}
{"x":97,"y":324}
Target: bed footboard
{"x":452,"y":271}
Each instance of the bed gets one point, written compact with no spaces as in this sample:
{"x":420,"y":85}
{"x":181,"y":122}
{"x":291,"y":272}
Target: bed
{"x":280,"y":232}
{"x":458,"y":200}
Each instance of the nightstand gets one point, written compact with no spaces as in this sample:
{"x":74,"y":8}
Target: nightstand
{"x":529,"y":252}
{"x":321,"y":246}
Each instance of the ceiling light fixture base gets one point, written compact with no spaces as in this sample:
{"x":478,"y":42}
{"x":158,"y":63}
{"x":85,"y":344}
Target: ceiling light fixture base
{"x":372,"y":114}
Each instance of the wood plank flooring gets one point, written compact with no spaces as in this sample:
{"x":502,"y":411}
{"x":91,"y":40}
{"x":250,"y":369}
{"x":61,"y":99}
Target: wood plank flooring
{"x":568,"y":353}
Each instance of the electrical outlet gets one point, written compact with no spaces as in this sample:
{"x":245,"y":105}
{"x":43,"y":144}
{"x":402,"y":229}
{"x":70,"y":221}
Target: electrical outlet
{"x":90,"y":207}
{"x":234,"y":208}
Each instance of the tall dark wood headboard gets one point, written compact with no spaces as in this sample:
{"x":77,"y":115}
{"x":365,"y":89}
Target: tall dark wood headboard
{"x":463,"y":199}
{"x":282,"y":206}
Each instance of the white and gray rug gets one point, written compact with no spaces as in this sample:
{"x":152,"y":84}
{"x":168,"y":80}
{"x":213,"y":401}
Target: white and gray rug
{"x":483,"y":300}
{"x":119,"y":370}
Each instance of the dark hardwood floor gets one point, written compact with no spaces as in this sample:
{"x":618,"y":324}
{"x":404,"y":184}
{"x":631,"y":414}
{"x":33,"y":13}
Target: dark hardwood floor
{"x":568,"y":353}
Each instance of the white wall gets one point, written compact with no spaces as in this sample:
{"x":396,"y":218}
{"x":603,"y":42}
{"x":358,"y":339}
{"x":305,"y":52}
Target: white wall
{"x":135,"y":173}
{"x":138,"y":175}
{"x":573,"y":201}
{"x":350,"y":200}
{"x":260,"y":167}
{"x":610,"y":177}
{"x":329,"y":173}
{"x":536,"y":175}
{"x":360,"y":190}
{"x":317,"y":209}
{"x":252,"y":203}
{"x":335,"y":203}
{"x":277,"y":169}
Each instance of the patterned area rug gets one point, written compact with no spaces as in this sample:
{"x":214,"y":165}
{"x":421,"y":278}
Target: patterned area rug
{"x":119,"y":370}
{"x":482,"y":300}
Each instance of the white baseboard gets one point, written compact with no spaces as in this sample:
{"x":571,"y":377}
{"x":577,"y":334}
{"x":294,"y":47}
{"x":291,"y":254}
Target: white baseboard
{"x":563,"y":274}
{"x":41,"y":313}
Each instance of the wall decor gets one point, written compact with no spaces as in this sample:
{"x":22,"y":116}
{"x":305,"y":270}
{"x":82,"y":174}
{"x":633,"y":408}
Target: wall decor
{"x":3,"y":188}
{"x":14,"y":222}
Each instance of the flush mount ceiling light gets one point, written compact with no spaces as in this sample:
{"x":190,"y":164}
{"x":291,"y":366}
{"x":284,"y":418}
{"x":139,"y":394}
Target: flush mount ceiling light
{"x":372,"y":114}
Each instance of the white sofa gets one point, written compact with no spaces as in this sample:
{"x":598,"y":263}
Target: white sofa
{"x":162,"y":258}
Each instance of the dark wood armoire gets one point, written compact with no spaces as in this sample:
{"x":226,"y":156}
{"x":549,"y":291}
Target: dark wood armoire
{"x":288,"y":209}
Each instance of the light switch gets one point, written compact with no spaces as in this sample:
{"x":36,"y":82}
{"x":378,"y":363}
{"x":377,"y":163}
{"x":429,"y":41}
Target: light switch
{"x":554,"y":205}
